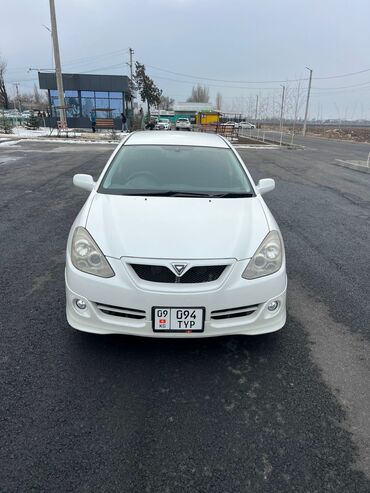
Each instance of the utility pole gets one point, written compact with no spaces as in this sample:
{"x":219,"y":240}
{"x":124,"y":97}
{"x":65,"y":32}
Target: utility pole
{"x":307,"y":103}
{"x":16,"y":84}
{"x":296,"y":110}
{"x":282,"y":108}
{"x":58,"y":69}
{"x":256,"y":114}
{"x":130,"y":64}
{"x":281,"y":114}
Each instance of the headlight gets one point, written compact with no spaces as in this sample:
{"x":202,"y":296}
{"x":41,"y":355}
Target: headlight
{"x":86,"y":255}
{"x":267,"y":259}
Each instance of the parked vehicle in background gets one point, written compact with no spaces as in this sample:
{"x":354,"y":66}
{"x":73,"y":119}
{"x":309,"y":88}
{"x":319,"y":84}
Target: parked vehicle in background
{"x":163,"y":124}
{"x":246,"y":125}
{"x":183,"y":124}
{"x":242,"y":124}
{"x":230,"y":124}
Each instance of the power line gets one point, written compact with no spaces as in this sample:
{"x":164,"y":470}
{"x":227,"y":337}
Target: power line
{"x":257,"y":81}
{"x":343,"y":75}
{"x":343,"y":87}
{"x":84,"y":60}
{"x":316,"y":89}
{"x":214,"y":85}
{"x":118,"y":65}
{"x":77,"y":61}
{"x":320,"y":94}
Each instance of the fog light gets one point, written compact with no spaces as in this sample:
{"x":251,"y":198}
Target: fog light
{"x":272,"y":306}
{"x":80,"y":304}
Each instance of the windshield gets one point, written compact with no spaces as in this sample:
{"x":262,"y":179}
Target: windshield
{"x":176,"y":170}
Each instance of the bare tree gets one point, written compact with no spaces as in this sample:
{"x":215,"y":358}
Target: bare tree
{"x":250,"y":107}
{"x":40,"y":99}
{"x":166,"y":103}
{"x":36,"y":95}
{"x":218,"y":101}
{"x":29,"y":101}
{"x":199,"y":94}
{"x":23,"y":100}
{"x":4,"y":100}
{"x":237,"y":105}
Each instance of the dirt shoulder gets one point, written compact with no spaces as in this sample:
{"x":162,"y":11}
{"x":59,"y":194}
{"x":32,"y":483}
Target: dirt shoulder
{"x":356,"y":134}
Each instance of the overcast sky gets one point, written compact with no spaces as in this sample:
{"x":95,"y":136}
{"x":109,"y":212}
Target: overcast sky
{"x":229,"y":40}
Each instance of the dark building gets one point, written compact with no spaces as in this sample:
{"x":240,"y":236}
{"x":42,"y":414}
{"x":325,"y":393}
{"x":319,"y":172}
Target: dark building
{"x":106,"y":95}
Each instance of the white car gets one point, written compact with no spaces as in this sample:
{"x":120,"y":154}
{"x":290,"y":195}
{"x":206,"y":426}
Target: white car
{"x":246,"y":125}
{"x":163,"y":124}
{"x":230,"y":124}
{"x":183,"y":124}
{"x":175,"y":240}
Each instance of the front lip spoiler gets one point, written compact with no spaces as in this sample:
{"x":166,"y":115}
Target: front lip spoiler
{"x":143,"y":328}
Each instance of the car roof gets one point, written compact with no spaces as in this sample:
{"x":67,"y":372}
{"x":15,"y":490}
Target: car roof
{"x":199,"y":139}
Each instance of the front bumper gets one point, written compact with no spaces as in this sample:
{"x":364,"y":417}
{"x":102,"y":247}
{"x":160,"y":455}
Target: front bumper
{"x":123,"y":291}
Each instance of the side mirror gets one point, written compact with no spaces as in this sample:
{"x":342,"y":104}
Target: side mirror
{"x":265,"y":185}
{"x":84,"y":181}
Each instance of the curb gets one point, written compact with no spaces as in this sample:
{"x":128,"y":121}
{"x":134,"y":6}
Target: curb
{"x":257,"y":146}
{"x":272,"y":142}
{"x":70,"y":141}
{"x":354,"y":166}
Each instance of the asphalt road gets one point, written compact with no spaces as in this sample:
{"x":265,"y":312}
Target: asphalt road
{"x":338,"y":149}
{"x":278,"y":413}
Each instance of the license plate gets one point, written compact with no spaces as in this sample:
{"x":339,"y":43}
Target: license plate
{"x":178,"y":319}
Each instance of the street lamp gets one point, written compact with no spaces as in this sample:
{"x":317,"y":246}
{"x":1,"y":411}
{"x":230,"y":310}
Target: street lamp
{"x":51,"y":35}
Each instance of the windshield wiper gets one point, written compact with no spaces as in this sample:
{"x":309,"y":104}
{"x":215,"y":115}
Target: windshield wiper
{"x":178,"y":193}
{"x":226,"y":195}
{"x":232,"y":195}
{"x":166,"y":193}
{"x":148,"y":193}
{"x":192,"y":194}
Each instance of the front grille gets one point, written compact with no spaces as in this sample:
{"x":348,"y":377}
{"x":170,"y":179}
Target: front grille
{"x":242,"y":311}
{"x":161,"y":273}
{"x":118,"y":311}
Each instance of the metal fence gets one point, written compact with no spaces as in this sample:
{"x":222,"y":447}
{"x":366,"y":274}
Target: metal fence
{"x":228,"y":131}
{"x":269,"y":136}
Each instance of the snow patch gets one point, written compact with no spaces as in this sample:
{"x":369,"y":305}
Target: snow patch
{"x":20,"y":131}
{"x":7,"y":159}
{"x":9,"y":143}
{"x":73,"y":141}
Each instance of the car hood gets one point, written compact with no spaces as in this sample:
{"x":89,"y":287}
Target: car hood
{"x":177,"y":227}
